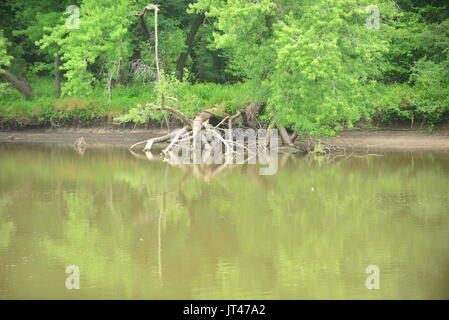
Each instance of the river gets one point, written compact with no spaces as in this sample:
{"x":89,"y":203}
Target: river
{"x":138,"y":229}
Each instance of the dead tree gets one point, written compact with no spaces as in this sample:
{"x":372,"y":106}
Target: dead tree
{"x":22,"y":85}
{"x":192,"y":130}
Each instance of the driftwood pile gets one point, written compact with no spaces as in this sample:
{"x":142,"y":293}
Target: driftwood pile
{"x":194,"y":130}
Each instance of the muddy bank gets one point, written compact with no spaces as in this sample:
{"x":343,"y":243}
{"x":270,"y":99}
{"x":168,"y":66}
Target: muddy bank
{"x":361,"y":140}
{"x":392,"y":140}
{"x":94,"y":137}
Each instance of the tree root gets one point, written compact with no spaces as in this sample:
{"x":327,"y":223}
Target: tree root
{"x":200,"y":130}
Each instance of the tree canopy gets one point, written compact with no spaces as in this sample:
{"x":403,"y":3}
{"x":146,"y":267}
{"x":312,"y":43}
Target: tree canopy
{"x":317,"y":66}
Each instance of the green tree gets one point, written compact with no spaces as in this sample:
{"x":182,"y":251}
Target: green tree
{"x":103,"y":34}
{"x":313,"y":57}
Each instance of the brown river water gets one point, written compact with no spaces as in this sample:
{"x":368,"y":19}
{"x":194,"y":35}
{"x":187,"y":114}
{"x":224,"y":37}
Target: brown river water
{"x":140,"y":229}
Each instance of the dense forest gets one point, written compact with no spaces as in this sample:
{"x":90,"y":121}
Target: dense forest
{"x":313,"y":67}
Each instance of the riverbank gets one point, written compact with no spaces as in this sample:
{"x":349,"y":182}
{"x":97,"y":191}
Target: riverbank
{"x":360,"y":140}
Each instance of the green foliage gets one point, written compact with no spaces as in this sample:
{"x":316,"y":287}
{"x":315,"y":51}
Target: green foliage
{"x":406,"y":45}
{"x":5,"y":59}
{"x":192,"y":98}
{"x":419,"y":104}
{"x":83,"y":110}
{"x":315,"y":64}
{"x":313,"y":58}
{"x":425,"y":98}
{"x":103,"y":34}
{"x":127,"y":103}
{"x":324,"y":60}
{"x":244,"y":33}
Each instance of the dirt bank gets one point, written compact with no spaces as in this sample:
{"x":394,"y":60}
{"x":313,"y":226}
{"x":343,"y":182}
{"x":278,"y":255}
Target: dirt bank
{"x":392,"y":140}
{"x":358,"y":140}
{"x":94,"y":137}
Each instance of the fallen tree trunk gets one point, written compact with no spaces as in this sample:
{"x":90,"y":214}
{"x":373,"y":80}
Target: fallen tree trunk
{"x":251,"y":112}
{"x":193,"y":127}
{"x":21,"y":85}
{"x":285,"y":137}
{"x":284,"y":134}
{"x":204,"y":146}
{"x":149,"y":143}
{"x":175,"y":139}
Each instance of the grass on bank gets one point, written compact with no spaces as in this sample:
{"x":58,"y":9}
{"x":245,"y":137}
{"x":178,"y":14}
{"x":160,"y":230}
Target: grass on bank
{"x":45,"y":108}
{"x":397,"y":103}
{"x":126,"y":103}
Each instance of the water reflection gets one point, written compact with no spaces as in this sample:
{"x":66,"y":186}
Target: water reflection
{"x":145,"y":230}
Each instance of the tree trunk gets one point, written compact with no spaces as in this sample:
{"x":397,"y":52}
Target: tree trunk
{"x":148,"y":34}
{"x":285,"y":137}
{"x":21,"y":85}
{"x":58,"y":77}
{"x":284,"y":134}
{"x":189,"y":43}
